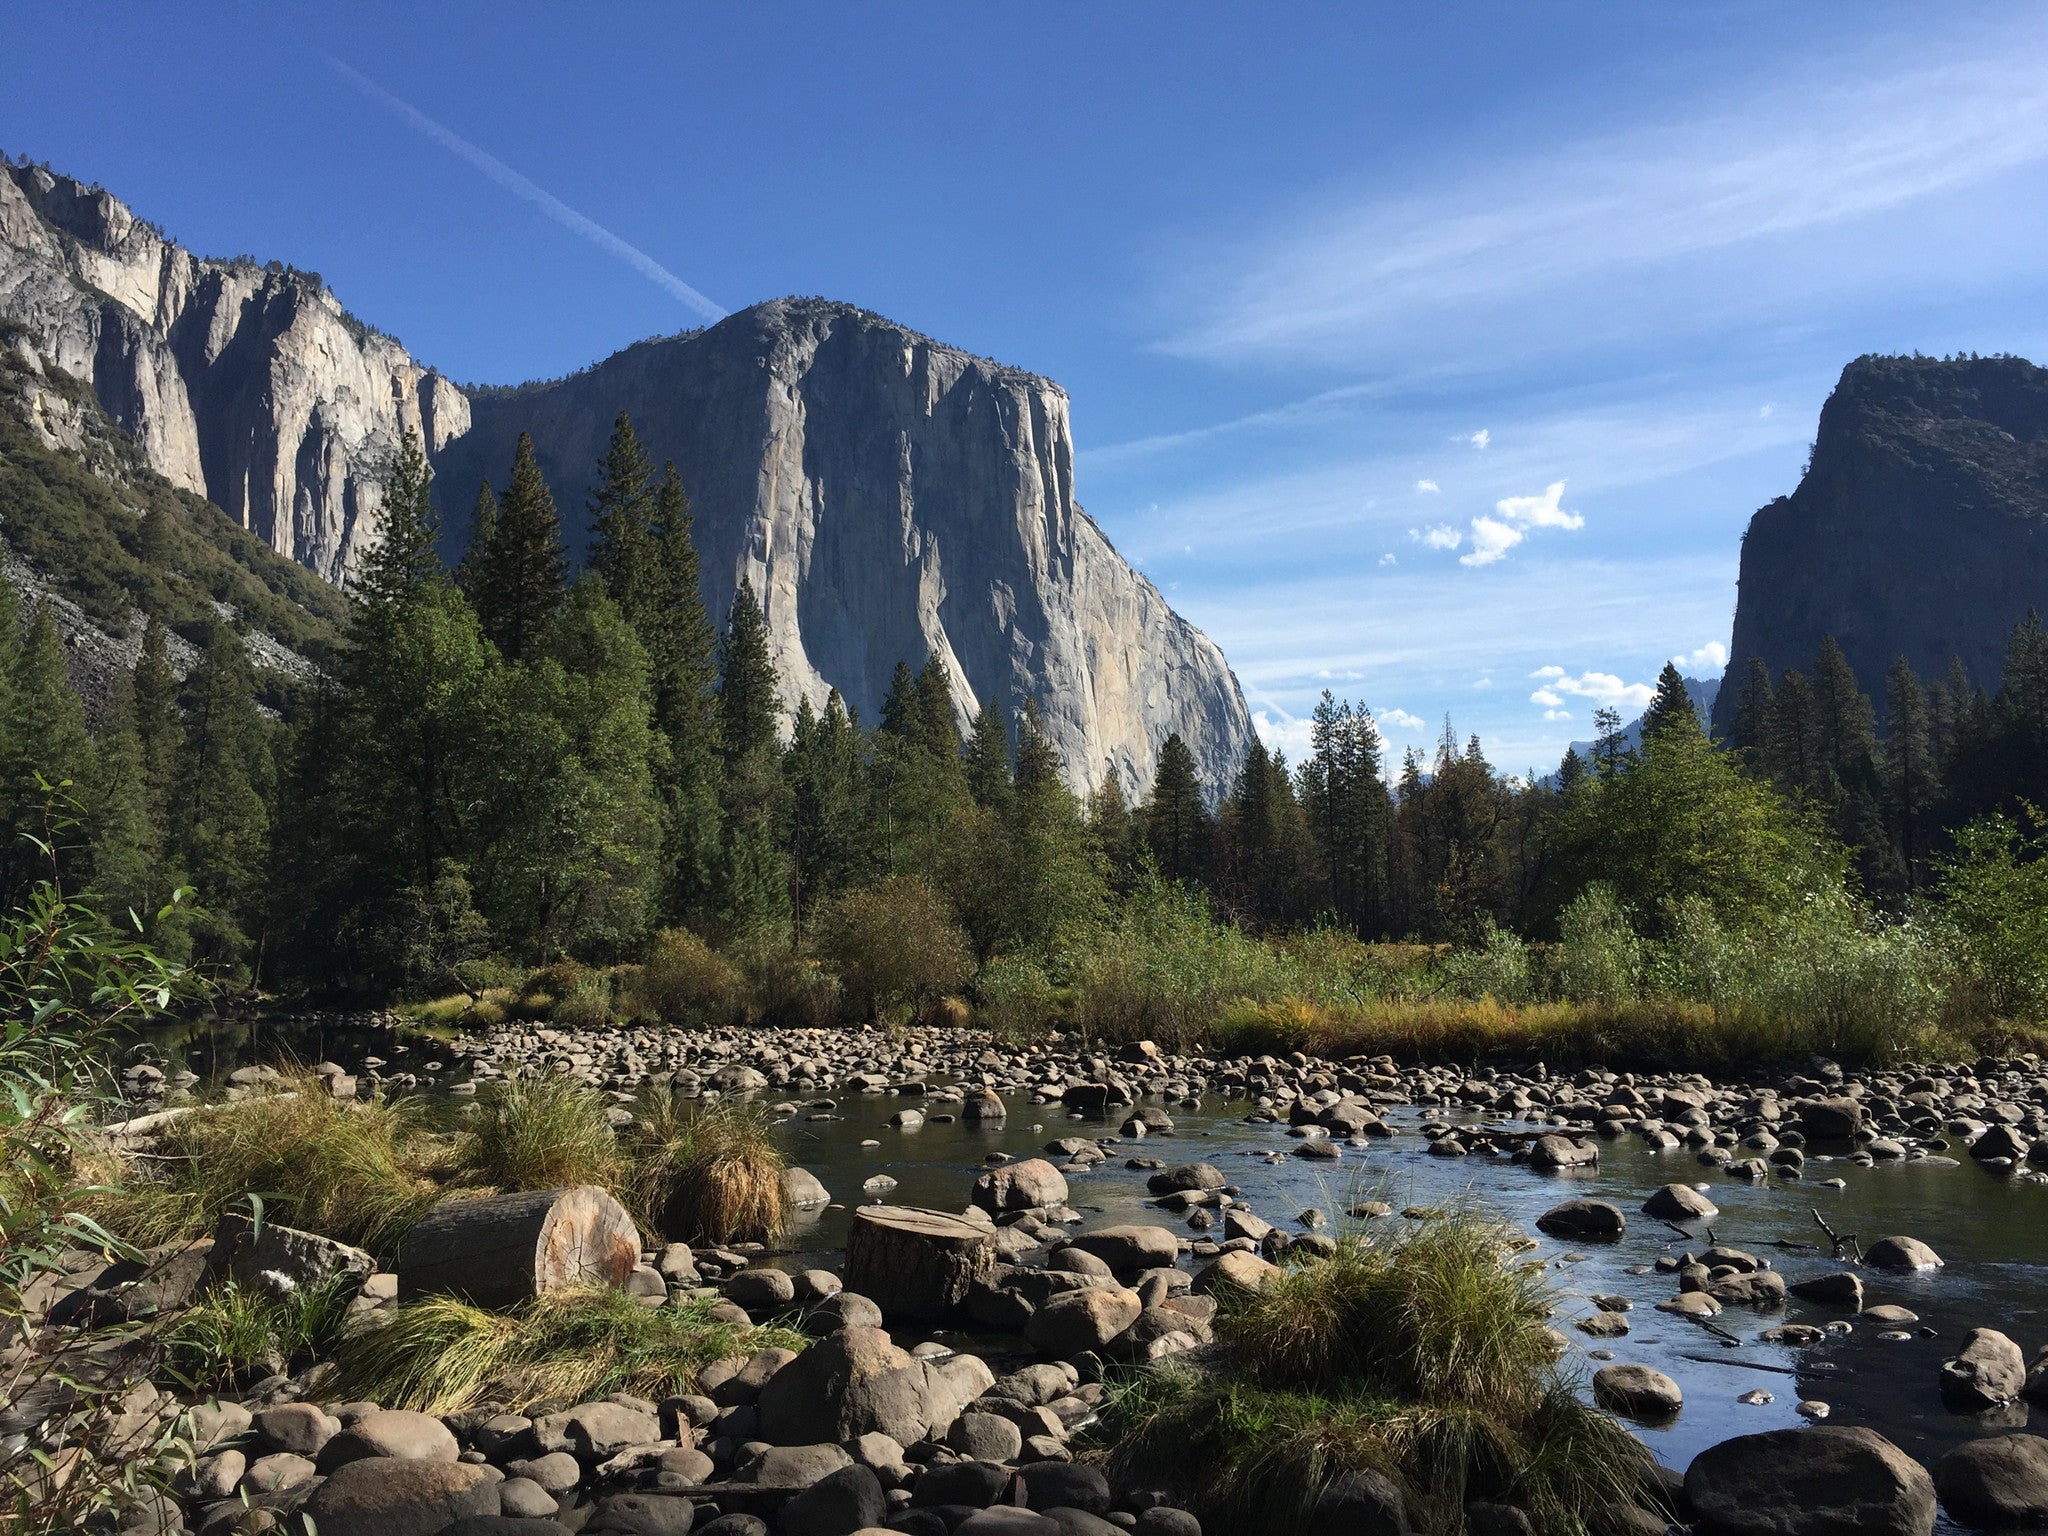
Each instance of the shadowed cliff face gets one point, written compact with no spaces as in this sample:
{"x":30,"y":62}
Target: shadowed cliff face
{"x":246,"y":384}
{"x":1920,"y":527}
{"x":890,"y":499}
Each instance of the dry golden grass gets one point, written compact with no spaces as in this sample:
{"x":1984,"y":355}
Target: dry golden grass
{"x":704,"y":1173}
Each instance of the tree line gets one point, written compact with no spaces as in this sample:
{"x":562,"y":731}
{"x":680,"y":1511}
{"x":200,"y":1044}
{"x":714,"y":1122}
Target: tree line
{"x":512,"y":758}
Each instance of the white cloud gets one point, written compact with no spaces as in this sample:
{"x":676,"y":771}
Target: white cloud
{"x":1484,"y":682}
{"x":1557,"y":714}
{"x":1480,"y":438}
{"x":1427,"y":487}
{"x":1290,"y":734}
{"x":1542,"y":511}
{"x":1491,"y":539}
{"x":1443,"y":536}
{"x":1388,"y":559}
{"x":1764,"y":412}
{"x":1399,"y":718}
{"x":1711,"y":657}
{"x":1603,"y":688}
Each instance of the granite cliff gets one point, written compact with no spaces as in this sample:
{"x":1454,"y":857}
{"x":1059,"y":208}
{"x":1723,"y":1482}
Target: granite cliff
{"x":890,"y":499}
{"x":248,"y":384}
{"x":1919,"y":529}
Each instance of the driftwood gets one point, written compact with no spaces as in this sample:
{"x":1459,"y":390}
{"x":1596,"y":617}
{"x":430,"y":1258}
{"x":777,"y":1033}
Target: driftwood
{"x":916,"y":1263}
{"x":505,"y":1249}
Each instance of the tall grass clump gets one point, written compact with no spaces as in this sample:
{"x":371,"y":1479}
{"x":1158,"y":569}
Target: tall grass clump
{"x":540,"y":1132}
{"x":354,"y":1171}
{"x":441,"y":1355}
{"x":232,"y":1334}
{"x":703,"y":1172}
{"x":1423,"y":1355}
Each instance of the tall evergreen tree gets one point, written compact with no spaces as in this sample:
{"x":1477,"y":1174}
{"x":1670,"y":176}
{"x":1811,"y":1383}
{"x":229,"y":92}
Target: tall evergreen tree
{"x":474,"y":570}
{"x":520,"y":572}
{"x":1911,"y":787}
{"x":682,"y":660}
{"x":988,"y":759}
{"x":622,"y":539}
{"x":45,"y":732}
{"x":752,"y":880}
{"x":1349,"y":811}
{"x":127,"y":836}
{"x":1113,"y":831}
{"x":828,"y":842}
{"x":1672,"y":705}
{"x":406,"y":554}
{"x":1178,"y":827}
{"x":223,"y":822}
{"x":1610,"y":742}
{"x":1845,"y":739}
{"x":1791,"y":744}
{"x":1749,"y":728}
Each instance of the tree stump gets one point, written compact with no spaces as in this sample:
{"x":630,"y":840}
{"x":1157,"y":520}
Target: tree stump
{"x":915,"y":1263}
{"x":508,"y":1248}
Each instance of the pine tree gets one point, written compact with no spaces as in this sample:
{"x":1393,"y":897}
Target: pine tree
{"x":1349,"y":812}
{"x":1791,"y":749}
{"x":622,"y":537}
{"x":938,"y":730}
{"x":406,"y":554}
{"x":1845,"y":740}
{"x":1178,"y":827}
{"x":1571,"y":773}
{"x":1911,"y":788}
{"x":1038,"y":764}
{"x":127,"y":836}
{"x":748,"y":707}
{"x":474,"y":571}
{"x":1671,"y":707}
{"x":521,"y":571}
{"x":50,"y":760}
{"x":1610,"y":744}
{"x":1113,"y":832}
{"x":752,"y":880}
{"x":682,"y":660}
{"x":828,"y":845}
{"x":1749,"y":728}
{"x":988,"y":759}
{"x":222,"y":822}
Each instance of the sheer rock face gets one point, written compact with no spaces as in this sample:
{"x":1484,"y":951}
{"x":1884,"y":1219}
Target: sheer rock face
{"x":890,"y":499}
{"x":247,"y":384}
{"x":1920,"y":527}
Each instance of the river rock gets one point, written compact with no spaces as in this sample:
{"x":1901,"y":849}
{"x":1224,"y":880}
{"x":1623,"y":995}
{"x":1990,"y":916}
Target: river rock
{"x":1075,"y":1321}
{"x":1840,"y":1289}
{"x":856,"y":1382}
{"x":1360,"y":1503}
{"x":302,"y":1429}
{"x":1903,"y":1255}
{"x":1835,"y":1119}
{"x":381,"y":1496}
{"x":1759,"y":1288}
{"x":848,"y":1500}
{"x":803,"y":1190}
{"x":1026,"y":1185}
{"x":1638,"y":1391}
{"x":1065,"y":1485}
{"x":1680,"y":1203}
{"x":395,"y":1433}
{"x":1549,"y":1153}
{"x":1237,"y":1268}
{"x":1127,"y":1249}
{"x":1824,"y":1480}
{"x":278,"y":1261}
{"x":1987,"y":1372}
{"x":1592,"y":1221}
{"x":1186,"y":1176}
{"x":1996,"y":1483}
{"x":761,"y":1291}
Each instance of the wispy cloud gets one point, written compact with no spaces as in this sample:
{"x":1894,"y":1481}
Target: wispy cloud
{"x":1369,"y":272}
{"x":1400,"y":719}
{"x":1480,"y":438}
{"x":1443,"y":536}
{"x":503,"y":174}
{"x":1427,"y":488}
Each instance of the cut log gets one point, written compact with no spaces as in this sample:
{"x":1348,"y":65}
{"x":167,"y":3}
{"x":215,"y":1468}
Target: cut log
{"x":914,"y":1263}
{"x":505,"y":1249}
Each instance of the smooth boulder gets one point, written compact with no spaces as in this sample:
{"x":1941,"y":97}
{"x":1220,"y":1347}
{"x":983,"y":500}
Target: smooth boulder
{"x":383,"y":1496}
{"x":1987,"y":1372}
{"x":1825,"y":1480}
{"x":1997,"y":1483}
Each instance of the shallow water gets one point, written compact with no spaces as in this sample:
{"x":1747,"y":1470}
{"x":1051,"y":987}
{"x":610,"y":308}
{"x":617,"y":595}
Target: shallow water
{"x":1992,"y":1232}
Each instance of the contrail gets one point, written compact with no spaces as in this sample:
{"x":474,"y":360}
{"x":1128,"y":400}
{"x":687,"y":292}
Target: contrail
{"x":542,"y":199}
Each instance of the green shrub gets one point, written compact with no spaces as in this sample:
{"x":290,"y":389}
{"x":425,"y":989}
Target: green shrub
{"x":587,"y":1004}
{"x":1167,"y":968}
{"x":1993,"y":914}
{"x":1014,"y":999}
{"x":685,"y":981}
{"x":790,"y":991}
{"x":894,"y":944}
{"x":232,"y":1335}
{"x":1499,"y":968}
{"x":1599,"y":958}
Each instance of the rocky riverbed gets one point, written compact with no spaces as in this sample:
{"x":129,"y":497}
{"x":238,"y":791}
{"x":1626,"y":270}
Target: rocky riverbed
{"x":1808,"y":1253}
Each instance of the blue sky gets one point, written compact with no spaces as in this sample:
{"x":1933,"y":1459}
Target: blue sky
{"x":1434,"y":355}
